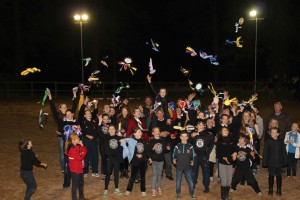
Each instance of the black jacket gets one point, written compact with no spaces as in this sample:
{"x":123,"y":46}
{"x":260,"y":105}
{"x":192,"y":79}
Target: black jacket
{"x":28,"y":159}
{"x":184,"y":154}
{"x":275,"y":154}
{"x":203,"y":144}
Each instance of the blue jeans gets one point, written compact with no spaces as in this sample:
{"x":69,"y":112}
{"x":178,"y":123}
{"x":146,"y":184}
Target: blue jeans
{"x":205,"y":171}
{"x":29,"y":180}
{"x":92,"y":155}
{"x":61,"y":153}
{"x":188,"y":177}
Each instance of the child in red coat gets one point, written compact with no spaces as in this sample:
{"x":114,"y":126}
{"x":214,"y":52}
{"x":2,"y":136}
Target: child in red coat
{"x":76,"y":153}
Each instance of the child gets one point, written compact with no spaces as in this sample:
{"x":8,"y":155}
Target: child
{"x":275,"y":158}
{"x":183,"y":158}
{"x":292,"y":141}
{"x":243,"y":157}
{"x":225,"y":150}
{"x":112,"y":150}
{"x":157,"y":147}
{"x":28,"y":159}
{"x":138,"y":161}
{"x":76,"y":153}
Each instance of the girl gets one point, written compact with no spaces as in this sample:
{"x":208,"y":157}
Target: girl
{"x":212,"y":156}
{"x":138,"y":160}
{"x":112,"y":150}
{"x":157,"y":148}
{"x":225,"y":150}
{"x":275,"y":158}
{"x":292,"y":141}
{"x":28,"y":159}
{"x":76,"y":153}
{"x":272,"y":124}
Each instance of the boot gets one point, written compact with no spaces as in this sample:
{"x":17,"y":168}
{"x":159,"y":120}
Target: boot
{"x":227,"y":193}
{"x":271,"y":184}
{"x":279,"y":182}
{"x":223,"y":193}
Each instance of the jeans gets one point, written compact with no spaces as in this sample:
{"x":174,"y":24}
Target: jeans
{"x":292,"y":164}
{"x":226,"y":172}
{"x":188,"y":177}
{"x":157,"y":168}
{"x":67,"y":173}
{"x":112,"y":164}
{"x":198,"y":160}
{"x":77,"y":184}
{"x":92,"y":155}
{"x":140,"y":167}
{"x":29,"y":180}
{"x":168,"y":164}
{"x":61,"y":153}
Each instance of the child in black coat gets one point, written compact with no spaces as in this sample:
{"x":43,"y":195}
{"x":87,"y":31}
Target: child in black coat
{"x":275,"y":158}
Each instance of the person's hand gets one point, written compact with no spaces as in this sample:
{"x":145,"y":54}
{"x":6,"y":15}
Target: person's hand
{"x":80,"y":142}
{"x":139,"y":155}
{"x":192,"y":162}
{"x":86,"y":100}
{"x":191,"y":96}
{"x":90,"y":137}
{"x":225,"y":158}
{"x":58,"y":133}
{"x":148,"y":77}
{"x":234,"y":156}
{"x":154,"y":147}
{"x":252,"y":154}
{"x":49,"y":94}
{"x":44,"y":165}
{"x":226,"y":94}
{"x":122,"y":140}
{"x":168,"y":148}
{"x":75,"y":92}
{"x":100,"y":119}
{"x":169,"y":121}
{"x":150,"y":161}
{"x":174,"y":161}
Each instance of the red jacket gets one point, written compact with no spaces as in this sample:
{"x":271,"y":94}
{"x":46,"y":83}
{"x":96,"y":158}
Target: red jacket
{"x":76,"y":156}
{"x":132,"y":124}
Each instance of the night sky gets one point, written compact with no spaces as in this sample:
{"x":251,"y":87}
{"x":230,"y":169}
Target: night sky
{"x":43,"y":34}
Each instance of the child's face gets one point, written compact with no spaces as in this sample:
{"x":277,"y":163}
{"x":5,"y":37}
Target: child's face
{"x":112,"y":111}
{"x":201,"y":115}
{"x":75,"y":141}
{"x":156,"y":132}
{"x":88,"y":115}
{"x":29,"y":145}
{"x":63,"y":108}
{"x":274,"y":134}
{"x":224,"y":119}
{"x":184,"y":138}
{"x":69,"y":115}
{"x":295,"y":127}
{"x":242,"y":142}
{"x":246,"y":117}
{"x":200,"y":127}
{"x":224,"y":132}
{"x":137,"y":113}
{"x":209,"y":123}
{"x":226,"y":111}
{"x":162,"y":92}
{"x":252,"y":116}
{"x":106,"y":109}
{"x":159,"y":114}
{"x":112,"y":131}
{"x":124,"y":112}
{"x":105,"y":119}
{"x":138,"y":134}
{"x":274,"y":123}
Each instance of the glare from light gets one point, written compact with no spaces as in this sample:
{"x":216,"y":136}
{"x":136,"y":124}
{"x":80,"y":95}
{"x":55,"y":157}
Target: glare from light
{"x":84,"y":17}
{"x":77,"y":17}
{"x":253,"y":13}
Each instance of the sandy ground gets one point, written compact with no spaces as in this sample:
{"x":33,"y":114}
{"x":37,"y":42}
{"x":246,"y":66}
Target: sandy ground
{"x":19,"y":119}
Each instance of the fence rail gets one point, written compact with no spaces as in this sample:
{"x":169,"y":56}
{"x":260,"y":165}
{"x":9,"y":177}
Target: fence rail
{"x":10,"y":90}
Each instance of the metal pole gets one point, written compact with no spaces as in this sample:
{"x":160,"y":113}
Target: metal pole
{"x":81,"y":46}
{"x":255,"y":53}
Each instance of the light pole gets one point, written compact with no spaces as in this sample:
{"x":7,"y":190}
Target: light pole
{"x":80,"y":19}
{"x":253,"y":14}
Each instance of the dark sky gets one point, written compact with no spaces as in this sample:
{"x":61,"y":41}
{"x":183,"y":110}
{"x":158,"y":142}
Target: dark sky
{"x":43,"y":34}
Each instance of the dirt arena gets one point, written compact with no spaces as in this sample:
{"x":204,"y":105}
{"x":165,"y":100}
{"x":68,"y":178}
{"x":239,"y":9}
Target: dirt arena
{"x":19,"y":119}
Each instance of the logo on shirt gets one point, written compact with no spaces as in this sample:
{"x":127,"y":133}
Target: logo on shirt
{"x":199,"y":143}
{"x":159,"y":148}
{"x":241,"y":155}
{"x":140,"y":147}
{"x":113,"y":143}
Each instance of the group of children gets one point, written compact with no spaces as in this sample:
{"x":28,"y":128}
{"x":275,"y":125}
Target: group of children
{"x":185,"y":137}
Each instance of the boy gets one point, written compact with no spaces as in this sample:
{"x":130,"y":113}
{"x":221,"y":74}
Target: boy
{"x":183,"y":158}
{"x":243,"y":156}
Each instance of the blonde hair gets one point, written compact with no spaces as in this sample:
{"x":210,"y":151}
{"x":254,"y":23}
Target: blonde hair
{"x":68,"y":143}
{"x":270,"y":123}
{"x":244,"y":125}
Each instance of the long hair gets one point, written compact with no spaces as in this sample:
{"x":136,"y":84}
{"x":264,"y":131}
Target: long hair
{"x":224,"y":140}
{"x":244,"y":124}
{"x":68,"y":143}
{"x":120,"y":117}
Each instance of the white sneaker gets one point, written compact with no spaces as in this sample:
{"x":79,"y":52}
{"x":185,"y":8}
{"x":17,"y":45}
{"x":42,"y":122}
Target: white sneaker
{"x":118,"y":192}
{"x":85,"y":175}
{"x":127,"y":193}
{"x":259,"y":194}
{"x":95,"y":175}
{"x":211,"y":179}
{"x":144,"y":194}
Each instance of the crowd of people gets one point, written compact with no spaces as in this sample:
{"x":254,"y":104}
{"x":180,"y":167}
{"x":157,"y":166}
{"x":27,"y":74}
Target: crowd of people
{"x":219,"y":138}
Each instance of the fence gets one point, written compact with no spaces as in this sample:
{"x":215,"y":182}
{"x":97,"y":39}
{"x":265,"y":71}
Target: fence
{"x":11,"y":90}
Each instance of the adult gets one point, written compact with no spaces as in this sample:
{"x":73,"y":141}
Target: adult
{"x":284,"y":122}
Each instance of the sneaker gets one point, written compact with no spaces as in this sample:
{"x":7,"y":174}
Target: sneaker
{"x":259,"y":194}
{"x":159,"y":191}
{"x":232,"y":190}
{"x":144,"y":194}
{"x":177,"y":196}
{"x":193,"y":197}
{"x":153,"y":192}
{"x":95,"y":175}
{"x":211,"y":179}
{"x":136,"y":181}
{"x":127,"y":193}
{"x":118,"y":192}
{"x":85,"y":175}
{"x":105,"y":193}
